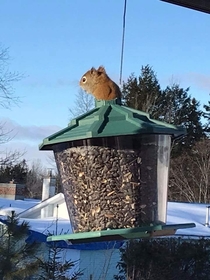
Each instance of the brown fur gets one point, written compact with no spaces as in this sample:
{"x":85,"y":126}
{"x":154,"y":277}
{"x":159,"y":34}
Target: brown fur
{"x":98,"y":83}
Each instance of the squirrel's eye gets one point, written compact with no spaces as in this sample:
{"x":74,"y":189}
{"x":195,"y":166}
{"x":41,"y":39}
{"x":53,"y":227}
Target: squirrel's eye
{"x":84,"y":80}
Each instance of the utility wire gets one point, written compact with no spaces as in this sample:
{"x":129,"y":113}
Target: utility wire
{"x":123,"y":39}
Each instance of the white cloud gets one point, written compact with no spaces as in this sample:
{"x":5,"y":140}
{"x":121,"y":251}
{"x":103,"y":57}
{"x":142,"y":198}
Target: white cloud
{"x":200,"y":80}
{"x":30,"y":152}
{"x":26,"y":140}
{"x":31,"y":133}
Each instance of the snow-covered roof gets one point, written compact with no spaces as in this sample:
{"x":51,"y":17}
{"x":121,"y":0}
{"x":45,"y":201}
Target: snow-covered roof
{"x":42,"y":225}
{"x":8,"y":205}
{"x":56,"y":199}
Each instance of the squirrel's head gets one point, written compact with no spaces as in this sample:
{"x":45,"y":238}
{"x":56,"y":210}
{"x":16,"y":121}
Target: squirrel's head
{"x":90,"y":79}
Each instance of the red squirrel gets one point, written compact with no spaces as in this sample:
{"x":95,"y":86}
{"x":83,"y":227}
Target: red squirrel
{"x":98,"y":83}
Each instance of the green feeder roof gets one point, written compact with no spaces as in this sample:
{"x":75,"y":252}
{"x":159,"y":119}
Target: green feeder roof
{"x":110,"y":118}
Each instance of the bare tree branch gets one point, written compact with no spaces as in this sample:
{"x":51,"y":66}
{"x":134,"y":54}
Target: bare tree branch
{"x":7,"y":78}
{"x":7,"y":99}
{"x":83,"y":103}
{"x":190,"y":174}
{"x":10,"y":157}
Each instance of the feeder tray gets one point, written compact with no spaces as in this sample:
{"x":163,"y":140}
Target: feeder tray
{"x":121,"y":234}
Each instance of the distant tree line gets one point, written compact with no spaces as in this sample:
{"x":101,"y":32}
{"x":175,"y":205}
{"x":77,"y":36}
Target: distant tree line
{"x":19,"y":172}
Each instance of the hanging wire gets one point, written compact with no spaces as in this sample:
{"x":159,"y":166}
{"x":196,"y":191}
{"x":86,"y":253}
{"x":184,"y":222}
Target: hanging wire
{"x":123,"y":39}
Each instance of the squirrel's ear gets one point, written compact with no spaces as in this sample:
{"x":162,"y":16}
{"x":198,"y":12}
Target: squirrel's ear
{"x":92,"y":70}
{"x":101,"y":69}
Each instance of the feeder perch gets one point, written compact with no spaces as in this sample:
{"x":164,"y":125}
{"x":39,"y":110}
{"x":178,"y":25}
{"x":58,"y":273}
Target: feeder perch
{"x":121,"y":234}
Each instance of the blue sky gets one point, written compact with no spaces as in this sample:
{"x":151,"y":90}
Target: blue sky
{"x":54,"y":42}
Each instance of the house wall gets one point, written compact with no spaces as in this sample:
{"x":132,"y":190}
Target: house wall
{"x":12,"y":191}
{"x":99,"y":264}
{"x":34,"y":215}
{"x":61,"y":211}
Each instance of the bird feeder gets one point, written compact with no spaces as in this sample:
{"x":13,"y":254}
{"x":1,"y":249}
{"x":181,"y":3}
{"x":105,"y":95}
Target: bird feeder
{"x":114,"y":163}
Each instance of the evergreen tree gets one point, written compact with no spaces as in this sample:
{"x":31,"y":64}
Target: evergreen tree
{"x":5,"y":174}
{"x":178,"y":108}
{"x":173,"y":105}
{"x":14,"y":172}
{"x":143,"y":92}
{"x":165,"y":259}
{"x":16,"y":257}
{"x":55,"y":268}
{"x":206,"y":115}
{"x":19,"y":172}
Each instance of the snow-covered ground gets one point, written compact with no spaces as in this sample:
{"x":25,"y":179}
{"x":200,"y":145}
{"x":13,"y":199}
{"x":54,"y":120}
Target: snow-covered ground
{"x":90,"y":256}
{"x":177,"y":213}
{"x":180,"y":213}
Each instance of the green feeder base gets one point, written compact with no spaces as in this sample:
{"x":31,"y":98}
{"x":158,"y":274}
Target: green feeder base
{"x":120,"y":234}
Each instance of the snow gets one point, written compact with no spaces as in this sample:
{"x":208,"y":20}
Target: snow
{"x":177,"y":213}
{"x":44,"y":225}
{"x":180,"y":213}
{"x":9,"y":205}
{"x":91,"y":259}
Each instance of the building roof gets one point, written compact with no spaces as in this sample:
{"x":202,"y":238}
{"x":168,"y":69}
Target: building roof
{"x":202,"y":6}
{"x":56,"y":199}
